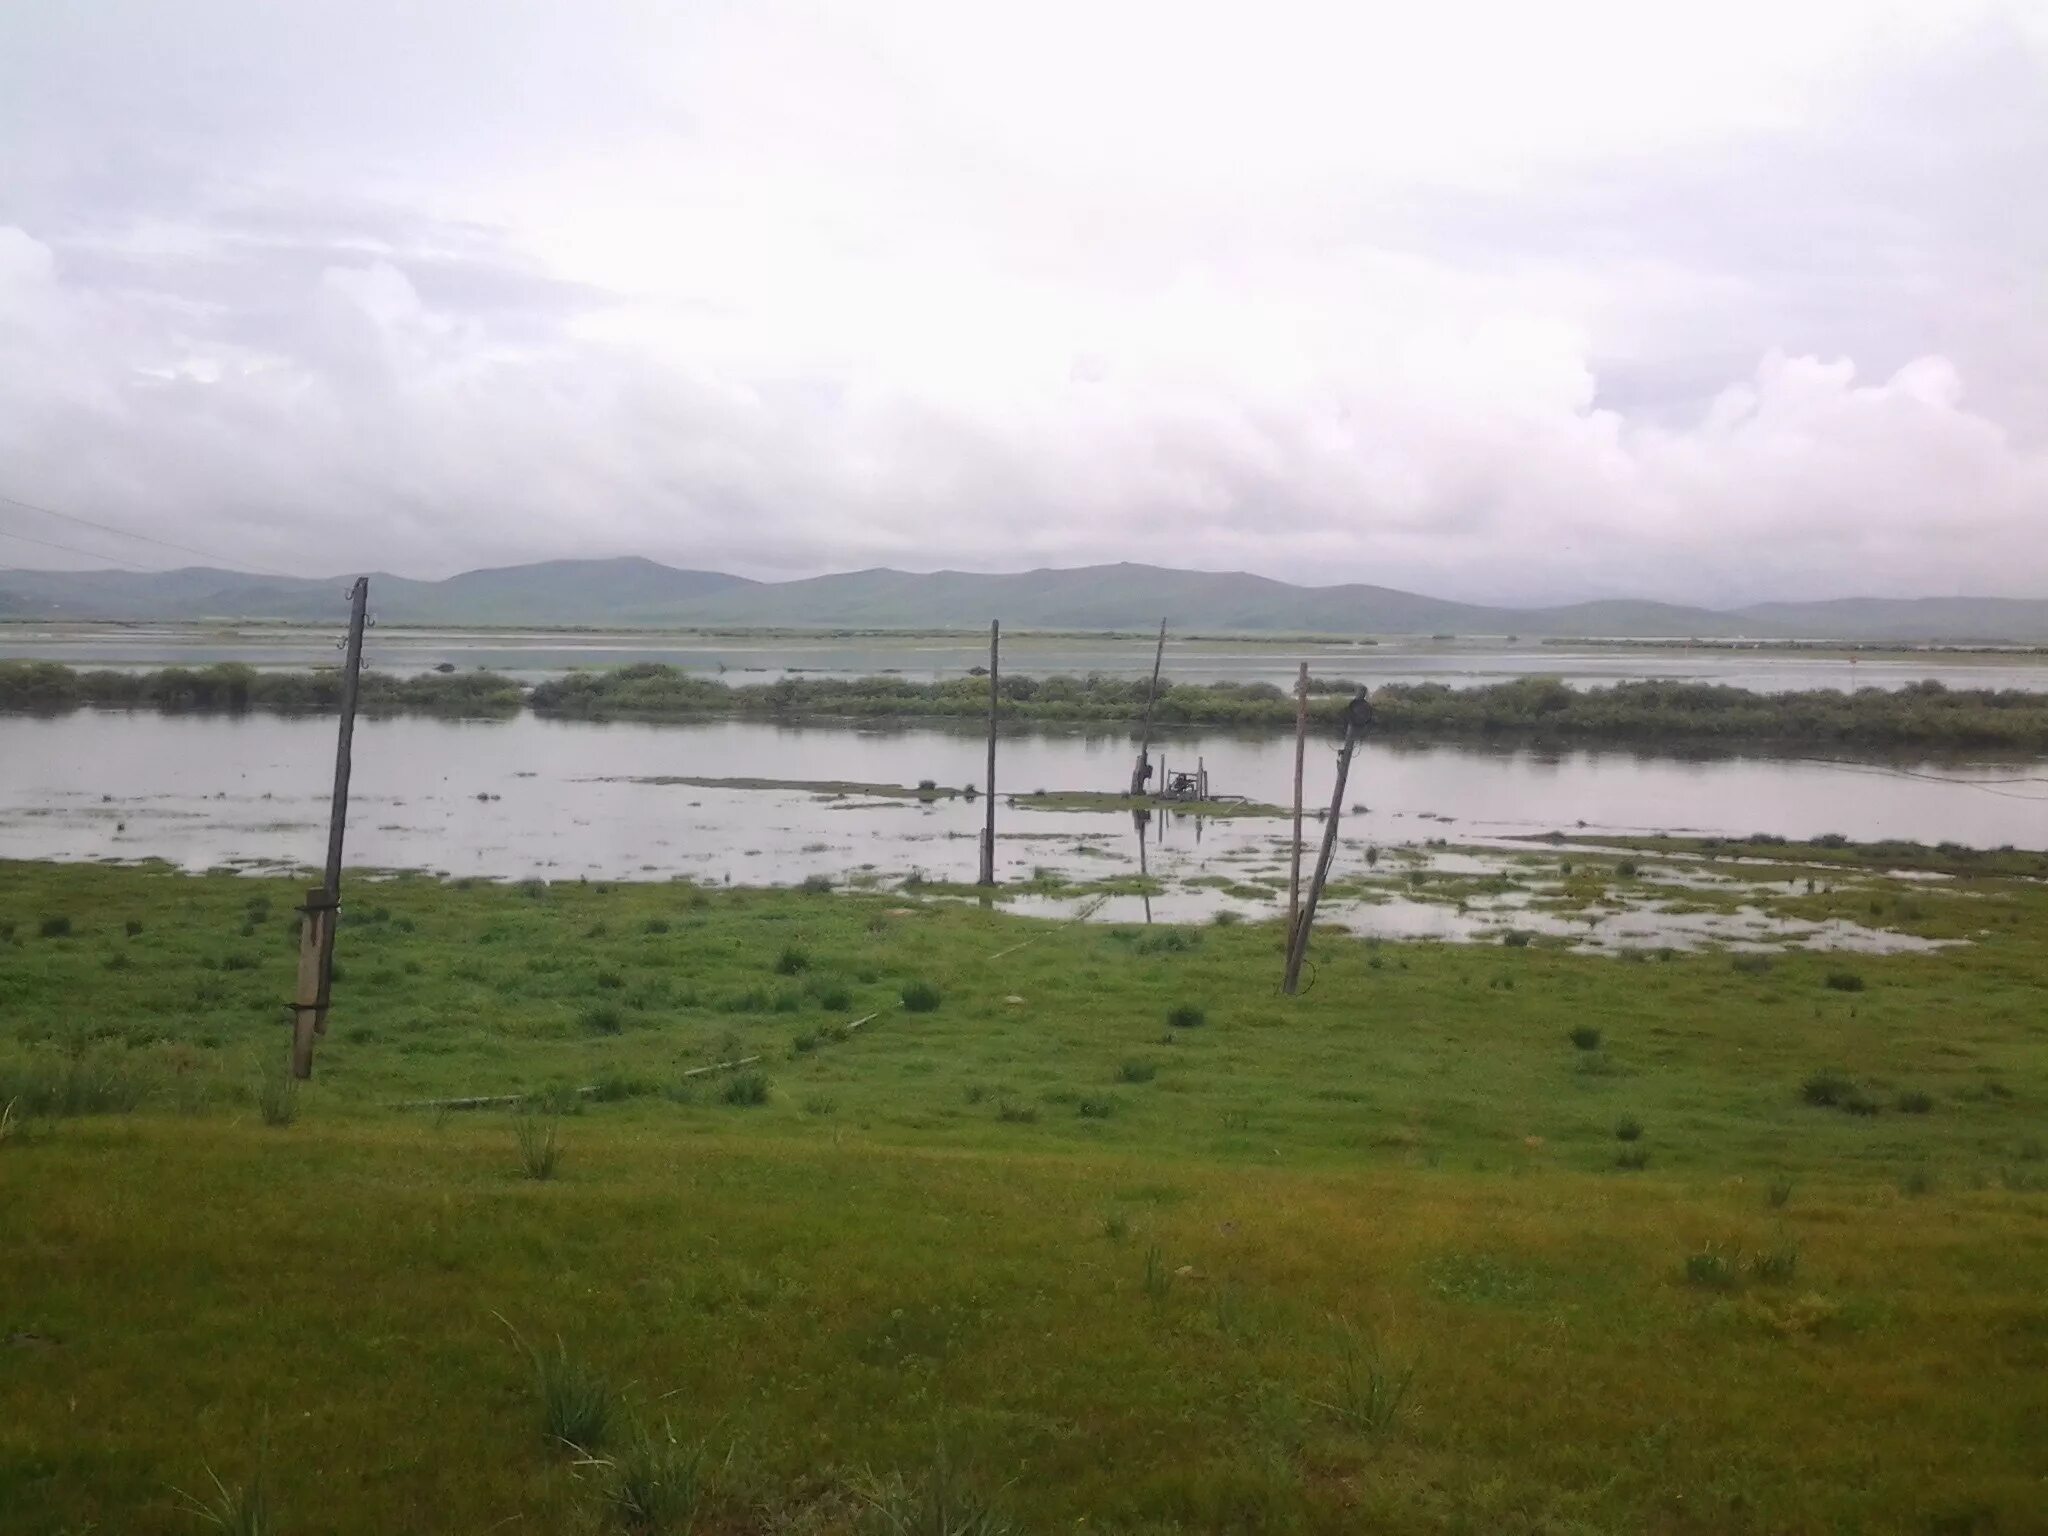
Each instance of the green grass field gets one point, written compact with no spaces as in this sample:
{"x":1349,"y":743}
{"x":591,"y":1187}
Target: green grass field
{"x":1085,"y":1228}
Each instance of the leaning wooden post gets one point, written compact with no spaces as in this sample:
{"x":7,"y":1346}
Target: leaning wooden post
{"x":988,"y":835}
{"x":323,"y":907}
{"x":1145,"y":728}
{"x":1300,"y":752}
{"x":1357,"y":716}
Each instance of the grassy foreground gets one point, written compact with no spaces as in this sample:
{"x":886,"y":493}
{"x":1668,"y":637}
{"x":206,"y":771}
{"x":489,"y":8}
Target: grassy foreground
{"x":1086,"y":1228}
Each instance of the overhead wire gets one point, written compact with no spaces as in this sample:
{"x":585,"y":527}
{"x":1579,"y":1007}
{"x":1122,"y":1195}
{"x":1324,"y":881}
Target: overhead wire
{"x":226,"y":561}
{"x":73,"y":549}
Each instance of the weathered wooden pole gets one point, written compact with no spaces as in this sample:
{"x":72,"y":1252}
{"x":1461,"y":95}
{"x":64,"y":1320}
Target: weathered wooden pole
{"x":988,"y":835}
{"x":1145,"y":729}
{"x":1300,"y":753}
{"x":323,"y":907}
{"x":1357,"y":716}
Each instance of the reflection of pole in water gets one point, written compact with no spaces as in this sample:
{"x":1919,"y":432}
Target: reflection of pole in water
{"x":1140,"y":818}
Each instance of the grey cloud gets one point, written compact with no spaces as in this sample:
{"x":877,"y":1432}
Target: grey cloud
{"x":851,"y":339}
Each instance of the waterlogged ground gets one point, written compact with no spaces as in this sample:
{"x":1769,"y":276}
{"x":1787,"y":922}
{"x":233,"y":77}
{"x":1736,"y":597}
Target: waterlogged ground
{"x":1430,"y":848}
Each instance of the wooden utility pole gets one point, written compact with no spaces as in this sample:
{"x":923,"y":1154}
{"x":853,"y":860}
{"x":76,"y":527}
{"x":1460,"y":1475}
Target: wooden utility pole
{"x":323,"y":902}
{"x":988,"y":835}
{"x":1145,"y":730}
{"x":1357,"y":716}
{"x":1300,"y":752}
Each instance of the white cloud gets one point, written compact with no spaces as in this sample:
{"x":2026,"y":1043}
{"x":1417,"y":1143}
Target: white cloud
{"x":1482,"y":299}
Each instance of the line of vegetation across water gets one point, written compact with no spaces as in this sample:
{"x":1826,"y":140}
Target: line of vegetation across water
{"x":1083,"y":1226}
{"x":1921,"y":715}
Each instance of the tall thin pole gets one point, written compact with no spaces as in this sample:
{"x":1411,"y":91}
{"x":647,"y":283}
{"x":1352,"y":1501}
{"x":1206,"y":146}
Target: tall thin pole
{"x":1300,"y":753}
{"x":323,"y":903}
{"x":1145,"y":729}
{"x":1357,"y":716}
{"x":988,"y":836}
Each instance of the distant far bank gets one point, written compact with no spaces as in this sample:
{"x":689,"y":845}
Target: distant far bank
{"x":1656,"y":715}
{"x":635,"y":593}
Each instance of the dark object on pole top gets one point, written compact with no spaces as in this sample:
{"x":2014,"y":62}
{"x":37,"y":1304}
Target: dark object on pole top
{"x":1358,"y":713}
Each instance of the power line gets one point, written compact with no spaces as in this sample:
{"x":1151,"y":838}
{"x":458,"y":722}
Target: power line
{"x":129,"y":533}
{"x":73,"y":549}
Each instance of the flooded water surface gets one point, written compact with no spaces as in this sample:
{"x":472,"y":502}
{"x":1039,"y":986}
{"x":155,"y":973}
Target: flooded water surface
{"x":529,"y":797}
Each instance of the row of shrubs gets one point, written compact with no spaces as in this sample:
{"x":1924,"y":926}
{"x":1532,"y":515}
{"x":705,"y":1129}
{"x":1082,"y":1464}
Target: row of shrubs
{"x":1663,"y":711}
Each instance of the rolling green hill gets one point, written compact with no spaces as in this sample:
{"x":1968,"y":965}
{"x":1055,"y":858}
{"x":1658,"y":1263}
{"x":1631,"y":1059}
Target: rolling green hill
{"x":637,"y":592}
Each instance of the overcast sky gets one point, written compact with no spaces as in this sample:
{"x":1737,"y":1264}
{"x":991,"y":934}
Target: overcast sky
{"x":1490,"y":299}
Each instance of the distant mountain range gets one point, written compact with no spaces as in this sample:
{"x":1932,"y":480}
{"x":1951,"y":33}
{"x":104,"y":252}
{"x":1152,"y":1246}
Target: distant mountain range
{"x":632,"y":592}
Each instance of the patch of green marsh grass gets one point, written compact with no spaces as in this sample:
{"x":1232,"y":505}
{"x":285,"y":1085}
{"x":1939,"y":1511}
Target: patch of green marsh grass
{"x":1136,"y":1072}
{"x":80,"y":1080}
{"x":745,"y":1089}
{"x":537,"y":1134}
{"x":1714,"y":1268}
{"x":1186,"y":1016}
{"x":920,"y":997}
{"x":1368,"y":1389}
{"x":653,"y":1482}
{"x":1586,"y":1038}
{"x":243,"y":1511}
{"x":939,"y":1502}
{"x":792,"y":961}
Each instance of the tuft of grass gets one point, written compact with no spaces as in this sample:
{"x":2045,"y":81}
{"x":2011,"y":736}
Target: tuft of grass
{"x":1775,"y":1266}
{"x":1012,"y":1113}
{"x":1096,"y":1108}
{"x":1158,"y":1279}
{"x":133,"y":928}
{"x":1516,"y":938}
{"x":835,"y":997}
{"x":1826,"y":1090}
{"x":653,"y":1483}
{"x":816,"y":885}
{"x":1227,"y":918}
{"x":920,"y":997}
{"x":793,"y":960}
{"x":820,"y":1104}
{"x":1136,"y":1072}
{"x":939,"y":1503}
{"x":1843,"y":981}
{"x":1779,"y":1194}
{"x":1913,"y":1101}
{"x":277,"y":1097}
{"x":55,"y":926}
{"x":603,"y":1019}
{"x":1368,"y":1388}
{"x":1186,"y":1016}
{"x":1751,"y":965}
{"x":745,"y":1089}
{"x":1917,"y":1180}
{"x":1713,"y":1268}
{"x":577,"y":1403}
{"x":1632,"y":1159}
{"x":233,"y":1511}
{"x":1628,"y":1128}
{"x":1116,"y":1226}
{"x":1586,"y":1037}
{"x":539,"y":1139}
{"x":656,"y":925}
